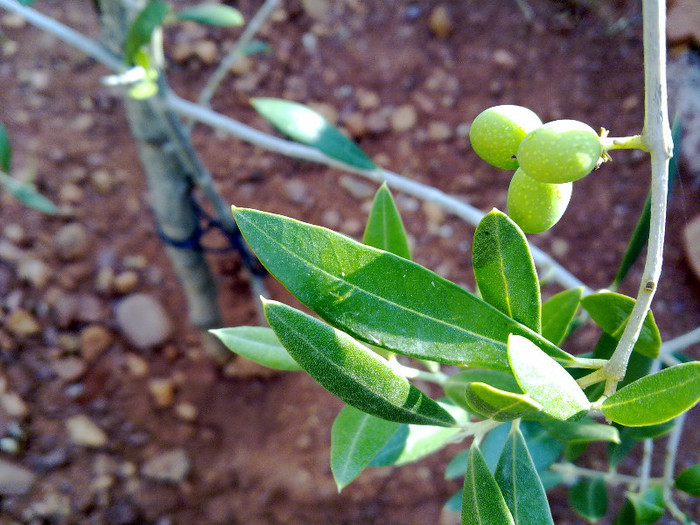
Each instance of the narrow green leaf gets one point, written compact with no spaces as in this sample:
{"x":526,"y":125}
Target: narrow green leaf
{"x":649,"y":506}
{"x":217,"y":15}
{"x":26,"y":2}
{"x":558,"y":312}
{"x":611,"y":311}
{"x":142,"y":28}
{"x":482,"y":501}
{"x":5,"y":150}
{"x":504,"y":269}
{"x":415,"y":442}
{"x":456,"y":385}
{"x":520,"y":484}
{"x":641,"y":232}
{"x":589,"y":497}
{"x":356,"y":438}
{"x":651,"y":431}
{"x":499,"y":405}
{"x":656,"y":398}
{"x":584,"y":431}
{"x":308,"y":127}
{"x":380,"y":298}
{"x":385,"y":228}
{"x":255,"y":47}
{"x":27,"y":194}
{"x":351,"y":371}
{"x":545,"y":380}
{"x":258,"y":344}
{"x":689,"y":480}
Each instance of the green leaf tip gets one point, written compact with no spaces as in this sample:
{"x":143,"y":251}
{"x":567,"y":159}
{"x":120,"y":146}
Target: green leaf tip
{"x":217,"y":15}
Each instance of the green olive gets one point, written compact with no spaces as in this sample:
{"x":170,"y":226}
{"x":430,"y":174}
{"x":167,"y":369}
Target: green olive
{"x":536,"y":206}
{"x":560,"y":151}
{"x":496,"y":133}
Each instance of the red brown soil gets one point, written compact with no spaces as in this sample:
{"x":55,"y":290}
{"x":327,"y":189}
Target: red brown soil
{"x":259,"y":445}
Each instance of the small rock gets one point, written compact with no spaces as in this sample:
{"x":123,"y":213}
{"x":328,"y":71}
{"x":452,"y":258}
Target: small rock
{"x":377,"y":122}
{"x":172,"y":466}
{"x":104,"y":282}
{"x":13,"y":21}
{"x":186,"y":411}
{"x":136,"y":365}
{"x":69,"y":369}
{"x":34,"y":271}
{"x":71,"y":194}
{"x":162,"y":391}
{"x":15,"y":480}
{"x":13,"y":405}
{"x":327,"y":111}
{"x":143,"y":321}
{"x":135,"y":262}
{"x":14,"y":233}
{"x":242,"y":66}
{"x":71,"y":241}
{"x":94,"y":339}
{"x":505,"y":58}
{"x":367,"y":99}
{"x":206,"y":51}
{"x":124,"y":512}
{"x":82,"y":431}
{"x":404,"y":118}
{"x":21,"y":323}
{"x":439,"y":132}
{"x":126,"y":282}
{"x":440,"y":22}
{"x":297,"y":191}
{"x":68,"y":342}
{"x":317,"y":9}
{"x":691,"y":241}
{"x":357,"y":188}
{"x":103,"y":181}
{"x":434,"y":216}
{"x":355,"y":124}
{"x":90,"y":309}
{"x":9,"y":252}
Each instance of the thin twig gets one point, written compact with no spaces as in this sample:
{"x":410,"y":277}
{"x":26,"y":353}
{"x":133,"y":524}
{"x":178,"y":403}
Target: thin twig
{"x":236,"y":51}
{"x":672,"y":444}
{"x":657,"y":136}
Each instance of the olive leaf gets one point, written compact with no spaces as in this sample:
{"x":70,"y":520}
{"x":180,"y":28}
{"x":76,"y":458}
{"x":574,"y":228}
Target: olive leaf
{"x":482,"y":500}
{"x":385,"y":229}
{"x":545,"y":380}
{"x":589,"y":497}
{"x":504,"y":270}
{"x":217,"y":15}
{"x":558,"y":312}
{"x":257,"y":343}
{"x":351,"y":371}
{"x":656,"y":398}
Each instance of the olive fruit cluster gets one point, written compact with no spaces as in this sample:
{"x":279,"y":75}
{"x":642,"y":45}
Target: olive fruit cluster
{"x":547,"y":159}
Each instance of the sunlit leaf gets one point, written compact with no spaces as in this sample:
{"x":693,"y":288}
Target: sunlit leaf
{"x":141,"y":29}
{"x":413,"y":442}
{"x":385,"y":228}
{"x":545,"y":380}
{"x":584,"y":431}
{"x":5,"y":150}
{"x":558,"y":313}
{"x":356,"y":438}
{"x":656,"y":398}
{"x":217,"y":15}
{"x":143,"y":90}
{"x":455,"y":386}
{"x":482,"y":501}
{"x":258,"y":344}
{"x":589,"y":497}
{"x":520,"y":484}
{"x":689,"y":480}
{"x":611,"y":312}
{"x":499,"y":405}
{"x":382,"y":299}
{"x":351,"y":371}
{"x":308,"y":127}
{"x":504,"y":270}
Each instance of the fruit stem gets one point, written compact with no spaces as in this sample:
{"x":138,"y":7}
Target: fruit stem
{"x":630,"y":142}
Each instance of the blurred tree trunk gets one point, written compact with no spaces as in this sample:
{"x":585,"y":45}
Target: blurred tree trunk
{"x":167,"y":159}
